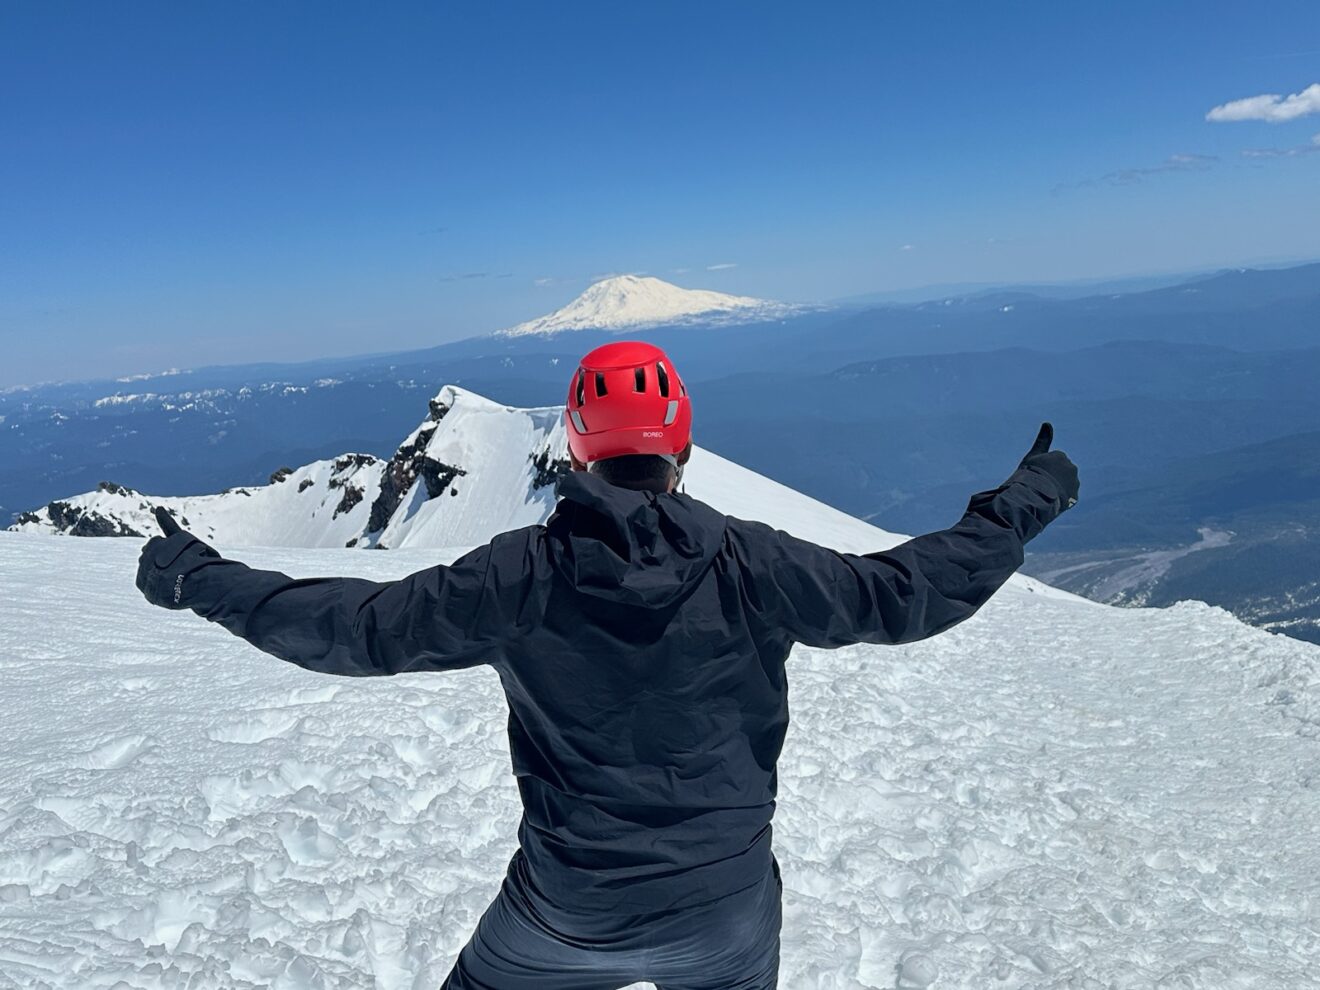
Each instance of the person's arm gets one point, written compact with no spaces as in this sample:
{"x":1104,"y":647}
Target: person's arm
{"x":430,"y":620}
{"x":824,"y":598}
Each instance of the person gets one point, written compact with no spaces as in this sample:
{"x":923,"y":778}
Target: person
{"x":641,"y":639}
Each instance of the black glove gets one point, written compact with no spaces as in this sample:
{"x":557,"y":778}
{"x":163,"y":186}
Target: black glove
{"x":166,"y":562}
{"x":1053,"y":464}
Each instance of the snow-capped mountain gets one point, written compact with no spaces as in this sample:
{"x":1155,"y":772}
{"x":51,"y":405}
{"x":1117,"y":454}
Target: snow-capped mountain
{"x":470,"y":465}
{"x":1055,"y":794}
{"x":627,"y":302}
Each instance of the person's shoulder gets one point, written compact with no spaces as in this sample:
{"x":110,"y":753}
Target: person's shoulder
{"x":518,"y":540}
{"x":748,"y":529}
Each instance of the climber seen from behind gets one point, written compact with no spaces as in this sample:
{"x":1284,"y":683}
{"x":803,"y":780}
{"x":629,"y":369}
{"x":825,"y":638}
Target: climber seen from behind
{"x":641,"y":639}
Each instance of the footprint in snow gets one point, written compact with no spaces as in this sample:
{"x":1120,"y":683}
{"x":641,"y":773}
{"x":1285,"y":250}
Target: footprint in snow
{"x":256,"y":728}
{"x":117,"y":752}
{"x":310,"y":696}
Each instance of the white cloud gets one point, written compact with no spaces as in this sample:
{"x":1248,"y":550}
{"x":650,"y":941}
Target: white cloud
{"x":722,"y":266}
{"x":908,"y":247}
{"x":543,"y":281}
{"x":1269,"y":107}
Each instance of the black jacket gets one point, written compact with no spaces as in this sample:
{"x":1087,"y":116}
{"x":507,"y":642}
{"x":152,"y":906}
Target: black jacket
{"x":641,"y":641}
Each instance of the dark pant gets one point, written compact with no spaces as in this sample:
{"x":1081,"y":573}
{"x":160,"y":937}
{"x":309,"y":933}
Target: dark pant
{"x":524,"y":943}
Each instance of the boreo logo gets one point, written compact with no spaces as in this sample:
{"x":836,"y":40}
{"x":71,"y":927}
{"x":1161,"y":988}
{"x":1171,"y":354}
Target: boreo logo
{"x":178,"y":589}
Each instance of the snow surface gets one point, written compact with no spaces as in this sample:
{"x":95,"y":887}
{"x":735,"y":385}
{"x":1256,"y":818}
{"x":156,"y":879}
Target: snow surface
{"x":1056,"y":794}
{"x":630,"y":301}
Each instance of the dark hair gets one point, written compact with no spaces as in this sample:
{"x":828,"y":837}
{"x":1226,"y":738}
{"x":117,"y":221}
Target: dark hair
{"x":641,"y":472}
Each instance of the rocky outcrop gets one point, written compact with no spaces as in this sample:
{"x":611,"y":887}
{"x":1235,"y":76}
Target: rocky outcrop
{"x":549,"y":469}
{"x":347,"y":461}
{"x":353,"y":493}
{"x":410,"y":463}
{"x":352,"y":496}
{"x":75,"y":521}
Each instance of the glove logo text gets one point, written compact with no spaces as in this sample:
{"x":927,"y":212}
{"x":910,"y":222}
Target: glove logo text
{"x":178,"y":589}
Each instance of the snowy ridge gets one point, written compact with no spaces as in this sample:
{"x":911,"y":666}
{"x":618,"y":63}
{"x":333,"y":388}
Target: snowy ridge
{"x":324,"y":504}
{"x":471,"y":468}
{"x":634,"y":301}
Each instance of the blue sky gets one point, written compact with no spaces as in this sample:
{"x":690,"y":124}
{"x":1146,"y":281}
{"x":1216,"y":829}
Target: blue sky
{"x":184,"y":184}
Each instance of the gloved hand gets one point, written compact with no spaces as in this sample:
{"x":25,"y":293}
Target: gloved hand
{"x":167,"y":561}
{"x":1053,"y":464}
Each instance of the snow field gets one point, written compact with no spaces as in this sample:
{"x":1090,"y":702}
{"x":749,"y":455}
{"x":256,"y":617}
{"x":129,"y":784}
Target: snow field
{"x":1054,"y":794}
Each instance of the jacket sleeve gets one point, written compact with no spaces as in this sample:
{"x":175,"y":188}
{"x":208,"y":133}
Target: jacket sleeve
{"x":431,"y":620}
{"x":824,"y":598}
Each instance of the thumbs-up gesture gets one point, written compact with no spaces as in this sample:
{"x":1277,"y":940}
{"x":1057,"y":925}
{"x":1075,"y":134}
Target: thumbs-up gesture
{"x":166,"y":521}
{"x":166,"y":561}
{"x":1054,"y":464}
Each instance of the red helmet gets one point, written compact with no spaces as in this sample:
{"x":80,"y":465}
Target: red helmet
{"x":627,"y":398}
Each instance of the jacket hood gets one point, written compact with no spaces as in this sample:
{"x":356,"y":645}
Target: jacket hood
{"x":631,"y":547}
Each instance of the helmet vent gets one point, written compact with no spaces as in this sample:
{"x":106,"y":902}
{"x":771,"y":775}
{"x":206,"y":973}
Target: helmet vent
{"x":639,"y":380}
{"x":600,"y":385}
{"x":662,"y":378}
{"x":581,"y":392}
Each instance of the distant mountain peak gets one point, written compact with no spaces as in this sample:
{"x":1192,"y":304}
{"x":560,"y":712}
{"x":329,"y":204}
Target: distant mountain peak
{"x":628,"y":301}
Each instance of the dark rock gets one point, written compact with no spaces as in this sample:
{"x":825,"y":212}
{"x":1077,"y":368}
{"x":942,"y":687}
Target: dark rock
{"x":63,"y":515}
{"x":353,"y":461}
{"x":28,"y":517}
{"x":438,"y":410}
{"x":113,"y":489}
{"x":305,"y":484}
{"x":548,"y":470}
{"x":409,"y":463}
{"x":437,"y":475}
{"x":351,"y":497}
{"x":281,"y":475}
{"x":77,"y":522}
